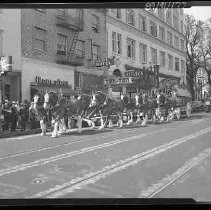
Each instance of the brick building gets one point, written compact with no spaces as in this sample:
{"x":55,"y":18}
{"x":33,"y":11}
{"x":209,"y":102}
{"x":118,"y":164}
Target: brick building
{"x":140,"y":38}
{"x":62,"y":44}
{"x":52,"y":49}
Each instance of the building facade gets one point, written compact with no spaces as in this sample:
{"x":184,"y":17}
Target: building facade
{"x":10,"y":45}
{"x":142,"y":38}
{"x":52,"y":49}
{"x":62,"y":45}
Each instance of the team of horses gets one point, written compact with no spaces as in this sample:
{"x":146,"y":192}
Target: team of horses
{"x":54,"y":109}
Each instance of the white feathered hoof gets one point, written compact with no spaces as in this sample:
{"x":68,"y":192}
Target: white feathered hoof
{"x":53,"y":135}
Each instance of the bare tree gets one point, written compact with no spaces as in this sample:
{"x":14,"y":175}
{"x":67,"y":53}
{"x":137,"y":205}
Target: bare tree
{"x":194,"y":34}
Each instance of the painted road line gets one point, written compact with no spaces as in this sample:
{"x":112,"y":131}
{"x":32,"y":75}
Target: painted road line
{"x":75,"y":142}
{"x":169,"y":179}
{"x":73,"y":153}
{"x":92,"y":177}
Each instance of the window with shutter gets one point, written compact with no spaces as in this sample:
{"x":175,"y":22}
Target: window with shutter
{"x":95,"y":23}
{"x":61,"y":44}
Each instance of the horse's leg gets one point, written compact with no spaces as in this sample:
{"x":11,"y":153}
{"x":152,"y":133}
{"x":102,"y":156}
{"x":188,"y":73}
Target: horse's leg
{"x":55,"y":130}
{"x":110,"y":124}
{"x":79,"y":124}
{"x":102,"y":125}
{"x":121,"y":121}
{"x":131,"y":118}
{"x":43,"y":127}
{"x":138,"y":117}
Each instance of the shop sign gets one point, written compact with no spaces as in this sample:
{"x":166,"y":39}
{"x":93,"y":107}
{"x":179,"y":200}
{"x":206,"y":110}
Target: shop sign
{"x":133,"y":74}
{"x":118,"y":81}
{"x":6,"y":64}
{"x":57,"y":82}
{"x":106,"y":62}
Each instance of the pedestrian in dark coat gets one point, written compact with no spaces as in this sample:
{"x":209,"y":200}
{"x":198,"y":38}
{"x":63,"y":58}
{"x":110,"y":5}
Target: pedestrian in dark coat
{"x":14,"y":116}
{"x":23,"y":113}
{"x":6,"y":113}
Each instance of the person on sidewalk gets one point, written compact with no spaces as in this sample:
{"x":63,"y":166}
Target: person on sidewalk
{"x":6,"y":113}
{"x":23,"y":113}
{"x":14,"y":116}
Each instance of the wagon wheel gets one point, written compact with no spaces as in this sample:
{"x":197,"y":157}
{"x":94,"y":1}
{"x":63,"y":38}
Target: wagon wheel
{"x":188,"y":109}
{"x":178,"y":113}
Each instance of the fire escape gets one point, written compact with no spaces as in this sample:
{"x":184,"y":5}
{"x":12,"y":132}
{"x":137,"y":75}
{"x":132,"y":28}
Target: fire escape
{"x":75,"y":24}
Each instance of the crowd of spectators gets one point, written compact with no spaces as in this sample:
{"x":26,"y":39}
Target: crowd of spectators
{"x":15,"y":115}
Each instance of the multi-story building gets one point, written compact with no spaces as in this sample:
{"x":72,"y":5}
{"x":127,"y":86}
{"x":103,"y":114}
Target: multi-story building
{"x":143,"y":38}
{"x":62,"y":44}
{"x":10,"y":45}
{"x":54,"y":49}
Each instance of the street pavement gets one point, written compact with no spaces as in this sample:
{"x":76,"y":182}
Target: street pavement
{"x":166,"y":160}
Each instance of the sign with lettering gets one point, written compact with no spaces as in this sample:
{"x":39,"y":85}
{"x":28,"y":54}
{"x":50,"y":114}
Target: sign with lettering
{"x":6,"y":64}
{"x":118,"y":81}
{"x":133,"y":74}
{"x":49,"y":82}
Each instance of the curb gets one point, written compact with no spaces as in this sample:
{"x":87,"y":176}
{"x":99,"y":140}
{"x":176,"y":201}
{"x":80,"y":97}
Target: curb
{"x":7,"y":134}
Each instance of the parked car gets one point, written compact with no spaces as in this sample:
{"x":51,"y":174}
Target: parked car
{"x":207,"y":104}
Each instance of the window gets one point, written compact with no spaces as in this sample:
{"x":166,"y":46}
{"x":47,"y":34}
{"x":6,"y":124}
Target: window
{"x":168,"y":17}
{"x":62,"y":12}
{"x":119,"y":43}
{"x":96,"y":52}
{"x":161,"y":13}
{"x":7,"y":91}
{"x":176,"y":42}
{"x":169,"y":38}
{"x":39,"y":39}
{"x":1,"y":11}
{"x":170,"y":62}
{"x":175,"y":22}
{"x":153,"y":28}
{"x":113,"y":11}
{"x":130,"y":17}
{"x":182,"y":45}
{"x":142,"y":22}
{"x":118,"y":14}
{"x":162,"y":59}
{"x":95,"y":23}
{"x":162,"y":33}
{"x":182,"y":66}
{"x":153,"y":56}
{"x":181,"y":26}
{"x":130,"y":48}
{"x":61,"y":44}
{"x":143,"y":53}
{"x":176,"y":64}
{"x":80,"y":48}
{"x":114,"y":42}
{"x":41,"y":10}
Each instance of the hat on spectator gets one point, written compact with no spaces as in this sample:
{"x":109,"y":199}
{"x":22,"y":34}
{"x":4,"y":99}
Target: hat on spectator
{"x":13,"y":102}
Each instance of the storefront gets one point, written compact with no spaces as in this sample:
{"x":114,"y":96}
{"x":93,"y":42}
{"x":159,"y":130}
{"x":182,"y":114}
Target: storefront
{"x":42,"y":85}
{"x":42,"y":76}
{"x":10,"y":80}
{"x":88,"y":82}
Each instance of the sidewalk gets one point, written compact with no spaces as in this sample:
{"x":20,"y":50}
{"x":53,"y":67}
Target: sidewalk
{"x":18,"y":132}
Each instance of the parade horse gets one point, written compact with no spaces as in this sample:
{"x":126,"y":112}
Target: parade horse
{"x":40,"y":112}
{"x":56,"y":105}
{"x":79,"y":109}
{"x":107,"y":107}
